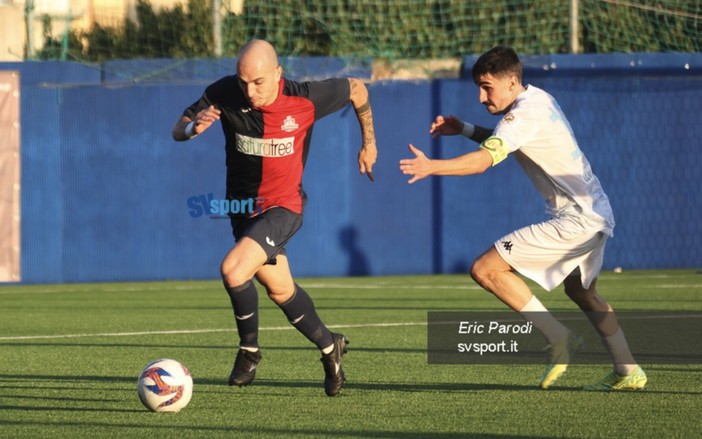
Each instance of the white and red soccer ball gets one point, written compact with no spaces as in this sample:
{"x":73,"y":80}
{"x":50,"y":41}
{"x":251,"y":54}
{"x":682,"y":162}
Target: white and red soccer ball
{"x":165,"y":385}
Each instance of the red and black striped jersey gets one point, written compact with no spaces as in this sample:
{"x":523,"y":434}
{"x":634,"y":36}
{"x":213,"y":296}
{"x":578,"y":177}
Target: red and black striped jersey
{"x":267,"y":147}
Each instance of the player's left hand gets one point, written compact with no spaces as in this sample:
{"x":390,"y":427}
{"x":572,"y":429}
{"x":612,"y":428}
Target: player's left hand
{"x":418,"y":167}
{"x":366,"y":159}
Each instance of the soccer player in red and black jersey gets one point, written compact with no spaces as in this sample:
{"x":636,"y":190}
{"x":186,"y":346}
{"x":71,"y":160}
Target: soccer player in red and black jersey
{"x":267,"y":122}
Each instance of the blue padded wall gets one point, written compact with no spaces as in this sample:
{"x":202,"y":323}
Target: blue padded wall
{"x":106,"y":191}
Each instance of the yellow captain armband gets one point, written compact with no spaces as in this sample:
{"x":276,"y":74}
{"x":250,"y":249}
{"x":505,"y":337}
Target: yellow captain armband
{"x":497,"y":149}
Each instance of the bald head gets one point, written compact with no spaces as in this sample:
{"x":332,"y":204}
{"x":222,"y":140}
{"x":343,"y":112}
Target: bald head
{"x":259,"y":72}
{"x":257,"y":53}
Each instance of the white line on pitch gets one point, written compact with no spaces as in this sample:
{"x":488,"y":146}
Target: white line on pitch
{"x":623,"y":316}
{"x":331,"y":286}
{"x":195,"y":331}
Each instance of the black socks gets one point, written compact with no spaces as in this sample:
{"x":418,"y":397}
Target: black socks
{"x":299,"y":310}
{"x":245,"y":303}
{"x":301,"y":313}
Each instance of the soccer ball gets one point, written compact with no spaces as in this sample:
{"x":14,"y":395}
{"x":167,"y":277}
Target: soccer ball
{"x":165,"y":385}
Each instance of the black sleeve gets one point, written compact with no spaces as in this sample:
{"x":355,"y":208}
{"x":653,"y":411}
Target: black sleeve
{"x":329,"y":95}
{"x":481,"y":134}
{"x":213,"y":95}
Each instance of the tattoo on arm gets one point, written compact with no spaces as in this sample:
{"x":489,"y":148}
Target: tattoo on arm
{"x":364,"y":113}
{"x":365,"y":118}
{"x":363,"y":108}
{"x":354,"y":85}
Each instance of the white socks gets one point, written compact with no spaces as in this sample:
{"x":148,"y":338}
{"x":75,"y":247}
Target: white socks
{"x":535,"y":312}
{"x":618,"y":348}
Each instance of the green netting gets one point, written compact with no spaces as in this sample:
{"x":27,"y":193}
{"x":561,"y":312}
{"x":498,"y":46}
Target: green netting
{"x":391,"y":29}
{"x":641,"y":26}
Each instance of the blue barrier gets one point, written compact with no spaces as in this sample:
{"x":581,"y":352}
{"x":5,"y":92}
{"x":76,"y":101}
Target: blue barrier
{"x":105,"y":189}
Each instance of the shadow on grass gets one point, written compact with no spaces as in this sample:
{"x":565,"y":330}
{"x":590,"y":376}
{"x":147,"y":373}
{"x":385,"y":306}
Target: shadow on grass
{"x":59,"y":378}
{"x":380,"y":387}
{"x":58,"y":408}
{"x":433,"y":387}
{"x":231,"y":348}
{"x":44,"y":382}
{"x":240,"y":431}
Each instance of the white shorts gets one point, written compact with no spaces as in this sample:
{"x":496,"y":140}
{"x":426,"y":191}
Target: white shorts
{"x":550,"y":251}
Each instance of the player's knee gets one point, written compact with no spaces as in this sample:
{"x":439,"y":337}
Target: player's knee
{"x":232,"y":280}
{"x":475,"y":274}
{"x":480,"y":273}
{"x":231,"y":276}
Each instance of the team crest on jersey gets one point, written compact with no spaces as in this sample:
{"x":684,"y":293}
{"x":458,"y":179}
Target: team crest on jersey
{"x":289,"y":124}
{"x":509,"y":118}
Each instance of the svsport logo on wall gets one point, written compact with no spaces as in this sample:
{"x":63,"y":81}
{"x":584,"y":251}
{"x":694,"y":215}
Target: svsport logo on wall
{"x":207,"y":204}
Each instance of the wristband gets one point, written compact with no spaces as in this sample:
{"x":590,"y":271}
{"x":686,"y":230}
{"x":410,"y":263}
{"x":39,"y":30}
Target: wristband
{"x":468,"y":129}
{"x":190,"y":130}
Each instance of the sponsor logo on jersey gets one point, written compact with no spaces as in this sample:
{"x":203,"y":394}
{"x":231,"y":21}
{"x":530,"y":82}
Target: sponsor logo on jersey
{"x":289,"y":125}
{"x":265,"y":147}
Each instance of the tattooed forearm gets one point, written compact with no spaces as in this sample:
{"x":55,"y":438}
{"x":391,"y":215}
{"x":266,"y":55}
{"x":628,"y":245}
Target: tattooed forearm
{"x":365,"y":118}
{"x":363,"y":108}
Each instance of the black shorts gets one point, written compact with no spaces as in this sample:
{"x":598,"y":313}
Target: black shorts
{"x":271,"y":229}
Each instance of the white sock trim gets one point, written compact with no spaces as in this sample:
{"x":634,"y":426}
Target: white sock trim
{"x":533,"y":305}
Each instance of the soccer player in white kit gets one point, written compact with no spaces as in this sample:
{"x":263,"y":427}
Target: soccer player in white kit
{"x":569,"y":247}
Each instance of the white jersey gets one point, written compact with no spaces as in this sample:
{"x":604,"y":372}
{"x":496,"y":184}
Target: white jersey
{"x":538,"y":134}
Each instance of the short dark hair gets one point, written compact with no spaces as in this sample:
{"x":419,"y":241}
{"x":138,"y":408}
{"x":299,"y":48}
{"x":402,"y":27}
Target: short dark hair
{"x":498,"y":61}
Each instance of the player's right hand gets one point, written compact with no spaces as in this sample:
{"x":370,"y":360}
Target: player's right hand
{"x":205,"y":118}
{"x":418,"y":167}
{"x":446,"y":126}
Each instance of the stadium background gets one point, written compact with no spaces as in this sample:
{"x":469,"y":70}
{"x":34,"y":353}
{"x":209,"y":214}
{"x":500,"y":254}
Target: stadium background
{"x":104,"y":189}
